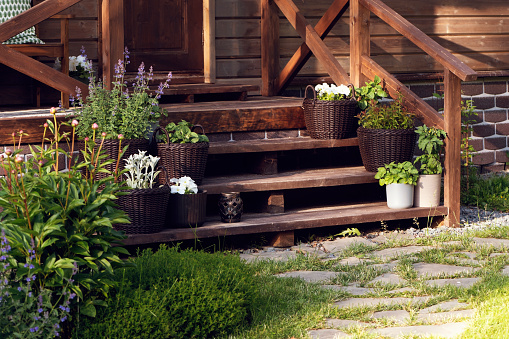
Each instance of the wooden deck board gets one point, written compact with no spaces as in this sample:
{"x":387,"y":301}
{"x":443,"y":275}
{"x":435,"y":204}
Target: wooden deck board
{"x":288,"y":180}
{"x":317,"y":217}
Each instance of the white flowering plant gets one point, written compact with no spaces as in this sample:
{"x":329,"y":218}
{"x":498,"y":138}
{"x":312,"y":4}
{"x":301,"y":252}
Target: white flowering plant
{"x":141,"y":170}
{"x":183,"y":185}
{"x":332,"y":92}
{"x":80,"y":66}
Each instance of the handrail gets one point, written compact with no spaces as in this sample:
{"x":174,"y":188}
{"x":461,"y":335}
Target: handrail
{"x":412,"y":33}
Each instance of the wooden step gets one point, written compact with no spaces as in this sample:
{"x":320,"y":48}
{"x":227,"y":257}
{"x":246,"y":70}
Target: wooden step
{"x":289,"y":221}
{"x":288,"y":180}
{"x":206,"y":92}
{"x":278,"y":144}
{"x":254,"y":114}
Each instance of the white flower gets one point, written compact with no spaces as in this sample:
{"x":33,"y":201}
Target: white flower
{"x":344,"y":90}
{"x":183,"y":185}
{"x":73,"y":62}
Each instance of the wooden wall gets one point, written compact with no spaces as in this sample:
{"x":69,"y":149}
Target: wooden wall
{"x":477,"y":32}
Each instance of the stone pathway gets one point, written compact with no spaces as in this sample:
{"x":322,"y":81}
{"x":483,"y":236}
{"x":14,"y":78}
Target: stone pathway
{"x":397,"y":303}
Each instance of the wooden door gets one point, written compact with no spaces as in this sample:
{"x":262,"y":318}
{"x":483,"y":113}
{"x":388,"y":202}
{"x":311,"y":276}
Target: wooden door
{"x":165,"y":34}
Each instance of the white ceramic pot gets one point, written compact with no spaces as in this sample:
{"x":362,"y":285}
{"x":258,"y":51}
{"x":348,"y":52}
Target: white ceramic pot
{"x":400,"y":196}
{"x":427,"y":190}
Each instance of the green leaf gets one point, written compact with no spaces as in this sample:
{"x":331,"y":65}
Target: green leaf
{"x":89,"y":310}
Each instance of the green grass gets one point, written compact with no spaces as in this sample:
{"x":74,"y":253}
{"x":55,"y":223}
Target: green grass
{"x":486,"y":192}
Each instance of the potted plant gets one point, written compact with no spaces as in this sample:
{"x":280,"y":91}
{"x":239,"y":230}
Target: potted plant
{"x":187,"y":206}
{"x":399,"y":179}
{"x":183,"y":151}
{"x":430,"y":142}
{"x":386,"y":134}
{"x":372,"y":91}
{"x":123,"y":110}
{"x":145,"y":201}
{"x":331,"y":112}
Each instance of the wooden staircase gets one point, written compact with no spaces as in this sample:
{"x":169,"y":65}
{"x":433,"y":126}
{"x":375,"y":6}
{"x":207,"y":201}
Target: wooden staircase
{"x":287,"y":183}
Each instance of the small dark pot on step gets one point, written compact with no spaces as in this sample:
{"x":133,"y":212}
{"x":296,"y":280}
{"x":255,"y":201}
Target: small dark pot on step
{"x":186,"y":210}
{"x":230,"y":206}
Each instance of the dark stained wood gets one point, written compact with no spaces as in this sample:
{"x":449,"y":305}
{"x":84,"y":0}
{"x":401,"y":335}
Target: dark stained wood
{"x":283,"y":239}
{"x":276,"y":202}
{"x":423,"y":111}
{"x":279,"y":144}
{"x":50,"y":50}
{"x":269,"y":47}
{"x":301,"y":219}
{"x":313,"y":41}
{"x":165,"y":34}
{"x":452,"y":175}
{"x":265,"y":163}
{"x":254,"y":114}
{"x":207,"y":89}
{"x":112,"y":38}
{"x":431,"y":47}
{"x":303,"y":53}
{"x":289,"y":180}
{"x":32,"y":125}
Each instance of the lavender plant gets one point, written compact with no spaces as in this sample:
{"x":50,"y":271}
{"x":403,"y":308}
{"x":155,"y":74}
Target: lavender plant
{"x":61,"y":221}
{"x":121,"y":110}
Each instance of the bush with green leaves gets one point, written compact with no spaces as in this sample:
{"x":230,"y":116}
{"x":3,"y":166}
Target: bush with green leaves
{"x":175,"y":294}
{"x":394,"y":115}
{"x":397,"y":173}
{"x":182,"y":133}
{"x":62,"y":221}
{"x":431,"y":142}
{"x":489,"y":192}
{"x":372,"y":91}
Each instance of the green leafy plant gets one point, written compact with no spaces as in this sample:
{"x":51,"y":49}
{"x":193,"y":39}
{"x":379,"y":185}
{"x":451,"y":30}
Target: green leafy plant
{"x":182,"y":133}
{"x":141,"y":170}
{"x":62,"y":220}
{"x":349,"y":232}
{"x":387,"y":116}
{"x":431,"y":142}
{"x":371,"y":91}
{"x":489,"y":192}
{"x":397,"y":173}
{"x":120,"y":110}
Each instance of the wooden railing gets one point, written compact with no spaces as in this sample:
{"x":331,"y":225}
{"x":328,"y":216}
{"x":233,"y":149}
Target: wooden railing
{"x":25,"y":64}
{"x":363,"y":68}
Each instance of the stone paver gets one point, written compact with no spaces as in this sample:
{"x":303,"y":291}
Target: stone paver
{"x":393,"y":236}
{"x":399,"y":317}
{"x":444,"y":306}
{"x":389,"y":253}
{"x":343,"y":323}
{"x":342,"y":243}
{"x":275,"y":255}
{"x":352,"y":289}
{"x":452,"y":243}
{"x":450,"y":330}
{"x":505,"y":270}
{"x":434,"y":270}
{"x":351,"y":261}
{"x":361,"y":302}
{"x":445,"y":316}
{"x":494,"y":255}
{"x":327,"y":334}
{"x":403,"y":290}
{"x":458,"y":282}
{"x":388,"y":278}
{"x":311,"y":276}
{"x":497,"y":243}
{"x":387,"y":266}
{"x":309,"y":250}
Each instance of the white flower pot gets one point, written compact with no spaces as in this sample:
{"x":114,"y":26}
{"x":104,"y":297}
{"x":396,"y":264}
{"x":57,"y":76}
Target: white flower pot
{"x":400,"y":196}
{"x":427,"y":190}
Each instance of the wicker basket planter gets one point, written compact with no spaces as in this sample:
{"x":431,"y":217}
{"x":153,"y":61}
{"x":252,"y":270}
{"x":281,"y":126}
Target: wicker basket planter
{"x":110,"y":147}
{"x":383,"y":146}
{"x":188,"y":159}
{"x":329,"y":119}
{"x":186,"y":210}
{"x":146,"y":208}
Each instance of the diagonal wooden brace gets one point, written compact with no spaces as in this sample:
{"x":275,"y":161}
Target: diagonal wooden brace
{"x":313,"y":41}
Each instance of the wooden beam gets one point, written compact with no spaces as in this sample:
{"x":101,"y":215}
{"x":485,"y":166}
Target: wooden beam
{"x":452,"y":176}
{"x":40,"y":71}
{"x":359,"y":41}
{"x":423,"y":111}
{"x":303,"y":53}
{"x":313,"y":41}
{"x":209,"y":42}
{"x":33,"y":16}
{"x":64,"y":63}
{"x":269,"y":47}
{"x":412,"y":33}
{"x":112,"y":38}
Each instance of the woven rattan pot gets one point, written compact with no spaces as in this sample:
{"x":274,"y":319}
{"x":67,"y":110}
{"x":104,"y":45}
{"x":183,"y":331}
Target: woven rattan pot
{"x":329,"y":119}
{"x":186,"y":210}
{"x":379,"y":147}
{"x":146,"y":208}
{"x":111,"y":148}
{"x":183,"y":159}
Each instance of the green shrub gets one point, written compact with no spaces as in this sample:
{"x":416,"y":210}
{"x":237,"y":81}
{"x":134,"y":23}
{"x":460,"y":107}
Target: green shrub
{"x":486,"y":192}
{"x":175,"y":294}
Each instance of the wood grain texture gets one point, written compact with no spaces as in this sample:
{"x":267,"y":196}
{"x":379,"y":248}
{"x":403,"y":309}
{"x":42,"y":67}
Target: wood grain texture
{"x":359,"y":41}
{"x":294,"y":220}
{"x":32,"y":125}
{"x":269,"y":47}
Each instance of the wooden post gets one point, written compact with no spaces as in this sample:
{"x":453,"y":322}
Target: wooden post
{"x":209,"y":42}
{"x":64,"y":40}
{"x":359,"y":41}
{"x":112,"y":37}
{"x":269,"y":46}
{"x":452,"y":117}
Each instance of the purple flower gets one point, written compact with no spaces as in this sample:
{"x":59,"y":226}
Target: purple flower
{"x":40,"y":310}
{"x":19,"y":289}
